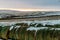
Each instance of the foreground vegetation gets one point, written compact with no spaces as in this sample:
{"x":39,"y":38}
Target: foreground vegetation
{"x":19,"y":31}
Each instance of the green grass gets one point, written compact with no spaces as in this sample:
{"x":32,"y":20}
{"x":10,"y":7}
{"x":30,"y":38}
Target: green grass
{"x":23,"y":34}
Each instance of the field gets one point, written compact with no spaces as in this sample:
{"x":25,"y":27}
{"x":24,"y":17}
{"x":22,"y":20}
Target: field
{"x":33,"y":30}
{"x":44,"y":25}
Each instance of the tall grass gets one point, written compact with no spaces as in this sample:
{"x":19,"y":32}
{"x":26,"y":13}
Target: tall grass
{"x":22,"y":33}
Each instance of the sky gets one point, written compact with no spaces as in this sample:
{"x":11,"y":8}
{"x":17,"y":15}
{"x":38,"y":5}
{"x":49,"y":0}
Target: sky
{"x":30,"y":4}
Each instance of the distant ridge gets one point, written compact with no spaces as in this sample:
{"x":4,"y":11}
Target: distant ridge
{"x":22,"y":13}
{"x":13,"y":14}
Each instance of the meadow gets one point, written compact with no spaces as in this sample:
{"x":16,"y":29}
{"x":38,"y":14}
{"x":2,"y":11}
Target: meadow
{"x":32,"y":31}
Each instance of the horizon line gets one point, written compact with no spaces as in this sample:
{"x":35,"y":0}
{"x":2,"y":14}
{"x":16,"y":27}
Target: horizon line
{"x":31,"y":9}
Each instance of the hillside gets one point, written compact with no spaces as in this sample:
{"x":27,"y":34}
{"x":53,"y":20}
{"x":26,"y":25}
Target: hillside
{"x":12,"y":14}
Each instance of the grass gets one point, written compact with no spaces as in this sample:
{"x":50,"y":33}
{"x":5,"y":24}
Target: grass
{"x":23,"y":34}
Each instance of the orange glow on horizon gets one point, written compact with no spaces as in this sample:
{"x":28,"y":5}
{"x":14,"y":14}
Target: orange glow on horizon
{"x":30,"y":9}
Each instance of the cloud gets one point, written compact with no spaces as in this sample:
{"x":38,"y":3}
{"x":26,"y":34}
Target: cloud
{"x":29,"y":4}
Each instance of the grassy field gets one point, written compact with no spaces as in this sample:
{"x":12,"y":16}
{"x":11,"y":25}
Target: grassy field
{"x":19,"y":31}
